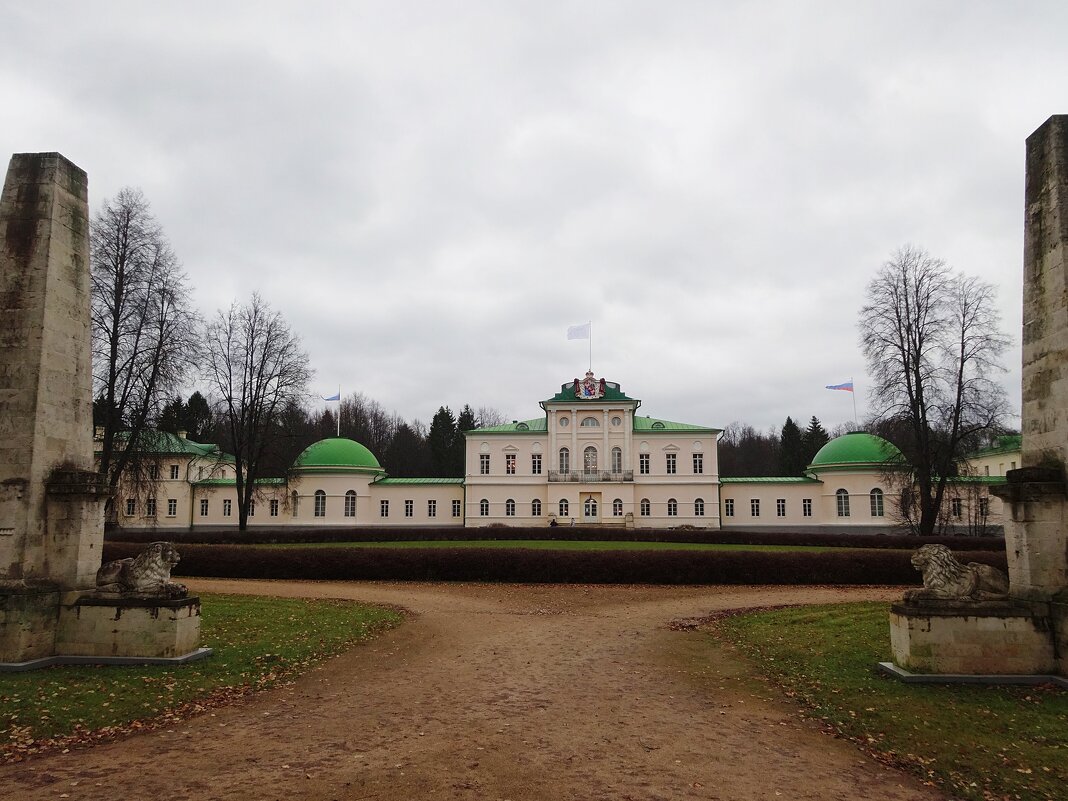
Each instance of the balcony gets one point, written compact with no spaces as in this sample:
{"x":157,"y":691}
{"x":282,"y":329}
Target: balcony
{"x":590,"y":476}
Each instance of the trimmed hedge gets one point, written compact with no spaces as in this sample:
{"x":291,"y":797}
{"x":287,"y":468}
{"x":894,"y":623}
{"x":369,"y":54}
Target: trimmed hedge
{"x":292,"y":534}
{"x":547,"y":566}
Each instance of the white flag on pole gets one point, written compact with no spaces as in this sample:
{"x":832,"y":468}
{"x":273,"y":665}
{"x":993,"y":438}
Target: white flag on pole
{"x":578,"y":331}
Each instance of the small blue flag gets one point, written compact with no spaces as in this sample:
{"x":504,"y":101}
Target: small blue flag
{"x":335,"y":397}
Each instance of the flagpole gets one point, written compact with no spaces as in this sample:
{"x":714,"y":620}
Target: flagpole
{"x":339,"y":410}
{"x":856,"y":424}
{"x":591,"y":345}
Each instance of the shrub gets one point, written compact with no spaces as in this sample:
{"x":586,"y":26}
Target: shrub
{"x":549,"y":566}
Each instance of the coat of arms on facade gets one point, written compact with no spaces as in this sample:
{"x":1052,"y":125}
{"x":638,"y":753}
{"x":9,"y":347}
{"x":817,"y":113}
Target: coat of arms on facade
{"x":589,"y":388}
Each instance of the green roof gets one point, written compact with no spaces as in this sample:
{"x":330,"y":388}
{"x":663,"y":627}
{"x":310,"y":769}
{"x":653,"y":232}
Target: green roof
{"x":165,"y":443}
{"x":515,"y":427}
{"x":977,"y":480}
{"x":391,"y":481}
{"x":856,"y":450}
{"x":1006,"y":443}
{"x":769,"y":480}
{"x":652,"y":424}
{"x":337,"y":454}
{"x":224,"y":482}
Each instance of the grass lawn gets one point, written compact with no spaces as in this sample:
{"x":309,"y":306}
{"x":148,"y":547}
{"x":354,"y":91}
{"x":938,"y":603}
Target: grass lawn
{"x":978,"y":742}
{"x":559,"y":545}
{"x":257,"y":642}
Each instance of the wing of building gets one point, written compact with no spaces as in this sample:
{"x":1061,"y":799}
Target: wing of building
{"x":589,"y":459}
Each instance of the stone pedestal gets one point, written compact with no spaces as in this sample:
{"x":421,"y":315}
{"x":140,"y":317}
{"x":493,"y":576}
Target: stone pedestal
{"x":967,"y":637}
{"x":98,"y":625}
{"x":27,"y":620}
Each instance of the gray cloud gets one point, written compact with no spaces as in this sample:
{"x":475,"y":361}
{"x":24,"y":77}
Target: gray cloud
{"x":432,"y":192}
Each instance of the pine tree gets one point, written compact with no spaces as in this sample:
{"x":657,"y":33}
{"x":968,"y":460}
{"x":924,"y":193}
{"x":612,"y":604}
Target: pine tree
{"x":791,"y":451}
{"x":814,"y":438}
{"x":441,"y":439}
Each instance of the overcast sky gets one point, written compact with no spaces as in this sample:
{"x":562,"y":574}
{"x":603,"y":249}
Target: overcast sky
{"x":431,"y":193}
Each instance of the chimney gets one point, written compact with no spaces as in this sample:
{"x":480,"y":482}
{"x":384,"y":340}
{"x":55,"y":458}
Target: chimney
{"x":182,"y":434}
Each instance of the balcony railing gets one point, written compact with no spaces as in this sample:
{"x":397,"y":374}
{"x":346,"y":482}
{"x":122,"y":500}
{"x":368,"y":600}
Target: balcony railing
{"x":590,"y":476}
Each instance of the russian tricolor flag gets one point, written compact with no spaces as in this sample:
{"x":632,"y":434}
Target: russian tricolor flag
{"x":847,"y":386}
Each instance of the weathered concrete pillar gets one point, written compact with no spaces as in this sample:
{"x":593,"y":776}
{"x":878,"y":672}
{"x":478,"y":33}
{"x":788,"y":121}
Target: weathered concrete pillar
{"x":1035,"y":536}
{"x":46,"y":446}
{"x":51,"y":528}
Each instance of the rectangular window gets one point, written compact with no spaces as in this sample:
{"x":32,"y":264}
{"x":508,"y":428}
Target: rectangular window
{"x":780,"y":507}
{"x":509,"y":464}
{"x":671,"y":464}
{"x":806,"y":507}
{"x":150,"y":507}
{"x":274,"y":507}
{"x":431,"y":508}
{"x":131,"y":507}
{"x":409,"y":508}
{"x":174,"y":472}
{"x":483,"y":463}
{"x":643,"y":464}
{"x":252,"y":507}
{"x":754,"y":507}
{"x":153,"y":472}
{"x":203,"y":507}
{"x":728,"y":507}
{"x":172,"y":507}
{"x":984,"y":507}
{"x":535,"y":464}
{"x":228,"y":507}
{"x":383,"y":508}
{"x":456,"y":510}
{"x":698,"y":464}
{"x":1012,"y":465}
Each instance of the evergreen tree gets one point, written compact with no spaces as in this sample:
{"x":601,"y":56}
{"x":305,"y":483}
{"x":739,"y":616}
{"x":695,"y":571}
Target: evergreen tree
{"x":441,"y":440}
{"x":791,"y":452}
{"x":465,"y":422}
{"x":814,"y":438}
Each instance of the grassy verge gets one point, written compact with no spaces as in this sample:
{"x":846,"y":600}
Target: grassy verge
{"x":559,"y":545}
{"x":258,"y":642}
{"x":978,"y":742}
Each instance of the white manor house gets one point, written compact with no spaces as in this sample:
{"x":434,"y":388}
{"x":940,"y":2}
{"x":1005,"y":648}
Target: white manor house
{"x":590,"y":458}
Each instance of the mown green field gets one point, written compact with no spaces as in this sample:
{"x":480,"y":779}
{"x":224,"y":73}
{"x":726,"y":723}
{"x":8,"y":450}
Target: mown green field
{"x":257,"y":642}
{"x":978,"y":742}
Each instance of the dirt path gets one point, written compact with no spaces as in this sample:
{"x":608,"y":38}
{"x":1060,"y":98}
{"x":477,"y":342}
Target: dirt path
{"x":495,"y":692}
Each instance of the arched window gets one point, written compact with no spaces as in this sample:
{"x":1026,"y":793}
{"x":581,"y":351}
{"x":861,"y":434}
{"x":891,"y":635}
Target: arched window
{"x":483,"y":508}
{"x":564,"y":508}
{"x":589,"y":509}
{"x":565,"y":460}
{"x":509,"y":508}
{"x":589,"y":422}
{"x":699,"y":507}
{"x":644,"y":507}
{"x":295,"y":498}
{"x":535,"y":508}
{"x":320,"y":503}
{"x":617,"y":508}
{"x":350,"y":503}
{"x":617,"y":460}
{"x":876,"y":497}
{"x":589,"y":459}
{"x":673,"y":507}
{"x":842,"y":497}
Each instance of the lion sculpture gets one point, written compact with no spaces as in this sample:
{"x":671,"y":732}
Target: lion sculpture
{"x":148,"y":573}
{"x":946,"y":578}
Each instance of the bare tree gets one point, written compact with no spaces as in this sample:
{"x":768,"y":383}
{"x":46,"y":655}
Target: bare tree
{"x":932,"y":341}
{"x":144,"y":330}
{"x":487,"y":417}
{"x":257,"y":367}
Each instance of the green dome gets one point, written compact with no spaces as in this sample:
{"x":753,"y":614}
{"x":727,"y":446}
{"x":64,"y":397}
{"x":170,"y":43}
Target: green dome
{"x":855,"y":450}
{"x":337,"y":454}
